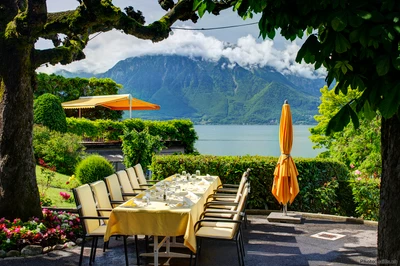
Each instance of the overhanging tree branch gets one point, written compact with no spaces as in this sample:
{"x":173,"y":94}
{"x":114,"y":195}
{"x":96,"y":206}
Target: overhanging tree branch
{"x":94,"y":16}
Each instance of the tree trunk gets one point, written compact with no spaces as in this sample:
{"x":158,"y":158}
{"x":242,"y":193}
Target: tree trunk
{"x":389,"y":217}
{"x":19,"y":195}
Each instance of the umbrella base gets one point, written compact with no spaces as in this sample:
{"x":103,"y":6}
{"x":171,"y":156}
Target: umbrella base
{"x":279,"y":217}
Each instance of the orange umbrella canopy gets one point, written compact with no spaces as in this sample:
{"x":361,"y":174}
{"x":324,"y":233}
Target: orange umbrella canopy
{"x":113,"y":102}
{"x":285,"y":186}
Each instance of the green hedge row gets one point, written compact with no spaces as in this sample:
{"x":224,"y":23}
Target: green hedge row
{"x":324,"y":185}
{"x":180,"y":130}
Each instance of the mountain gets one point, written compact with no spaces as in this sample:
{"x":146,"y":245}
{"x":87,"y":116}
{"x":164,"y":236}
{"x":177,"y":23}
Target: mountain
{"x":215,"y":92}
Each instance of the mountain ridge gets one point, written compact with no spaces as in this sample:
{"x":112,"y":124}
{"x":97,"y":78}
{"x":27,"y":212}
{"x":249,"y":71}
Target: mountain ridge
{"x":209,"y":92}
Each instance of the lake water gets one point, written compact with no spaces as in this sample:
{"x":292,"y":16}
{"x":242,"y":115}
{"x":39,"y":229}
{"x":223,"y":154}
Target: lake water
{"x":251,"y":140}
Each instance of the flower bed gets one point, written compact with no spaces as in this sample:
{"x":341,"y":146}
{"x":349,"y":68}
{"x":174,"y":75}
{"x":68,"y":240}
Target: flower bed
{"x":55,"y":228}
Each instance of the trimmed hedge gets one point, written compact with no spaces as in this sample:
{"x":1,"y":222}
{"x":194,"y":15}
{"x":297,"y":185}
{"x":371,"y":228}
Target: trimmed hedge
{"x":94,"y":167}
{"x":181,"y":130}
{"x":47,"y":111}
{"x":318,"y":179}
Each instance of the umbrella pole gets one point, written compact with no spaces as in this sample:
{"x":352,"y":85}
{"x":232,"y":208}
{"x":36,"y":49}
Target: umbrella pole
{"x":285,"y":209}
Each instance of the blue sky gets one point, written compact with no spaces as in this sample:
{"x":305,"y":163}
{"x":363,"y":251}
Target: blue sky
{"x":240,"y":45}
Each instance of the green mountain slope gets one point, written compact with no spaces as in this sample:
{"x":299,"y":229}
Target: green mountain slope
{"x":215,"y":92}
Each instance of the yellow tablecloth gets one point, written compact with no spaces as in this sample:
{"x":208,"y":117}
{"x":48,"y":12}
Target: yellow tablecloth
{"x":158,"y":219}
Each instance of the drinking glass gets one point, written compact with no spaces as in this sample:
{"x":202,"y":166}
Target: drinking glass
{"x":145,"y":200}
{"x":198,"y":172}
{"x":184,"y":173}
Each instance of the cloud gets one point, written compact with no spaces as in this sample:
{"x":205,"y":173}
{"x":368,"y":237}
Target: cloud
{"x":105,"y":50}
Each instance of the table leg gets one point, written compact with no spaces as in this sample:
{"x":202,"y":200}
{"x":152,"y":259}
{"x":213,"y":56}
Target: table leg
{"x":155,"y":238}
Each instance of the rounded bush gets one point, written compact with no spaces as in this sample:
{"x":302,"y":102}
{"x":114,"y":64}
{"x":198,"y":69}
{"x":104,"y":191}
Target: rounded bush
{"x":93,"y":168}
{"x":47,"y":110}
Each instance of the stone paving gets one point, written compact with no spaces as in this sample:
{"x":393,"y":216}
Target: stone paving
{"x":265,"y":244}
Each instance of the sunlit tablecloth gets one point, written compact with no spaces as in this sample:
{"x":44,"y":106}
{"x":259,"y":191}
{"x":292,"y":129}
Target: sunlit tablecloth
{"x":158,"y":218}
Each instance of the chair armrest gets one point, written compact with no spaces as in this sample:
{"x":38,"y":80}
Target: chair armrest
{"x":204,"y":214}
{"x":220,"y":203}
{"x":104,"y":209}
{"x":230,"y":186}
{"x":226,"y":190}
{"x":198,"y":223}
{"x":94,"y":217}
{"x":145,"y":185}
{"x":116,"y":201}
{"x":129,"y":194}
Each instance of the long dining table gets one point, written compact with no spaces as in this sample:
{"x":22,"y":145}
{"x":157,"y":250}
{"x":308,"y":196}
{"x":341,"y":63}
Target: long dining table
{"x":151,"y":214}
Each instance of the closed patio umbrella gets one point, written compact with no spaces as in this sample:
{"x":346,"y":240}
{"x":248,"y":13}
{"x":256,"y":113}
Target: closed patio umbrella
{"x":285,"y":186}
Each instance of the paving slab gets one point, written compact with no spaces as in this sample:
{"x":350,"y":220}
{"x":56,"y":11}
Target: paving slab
{"x":266,"y":243}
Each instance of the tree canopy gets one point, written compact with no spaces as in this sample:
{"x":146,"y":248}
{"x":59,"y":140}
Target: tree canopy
{"x":359,"y":149}
{"x":68,"y":89}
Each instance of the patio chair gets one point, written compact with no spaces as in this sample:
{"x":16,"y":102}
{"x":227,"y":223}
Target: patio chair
{"x":115,"y":190}
{"x":91,"y":221}
{"x":233,"y":188}
{"x":125,"y":183}
{"x":102,"y":198}
{"x":104,"y":205}
{"x":226,"y":209}
{"x":223,"y":224}
{"x":141,"y":176}
{"x":134,"y":180}
{"x":220,"y":229}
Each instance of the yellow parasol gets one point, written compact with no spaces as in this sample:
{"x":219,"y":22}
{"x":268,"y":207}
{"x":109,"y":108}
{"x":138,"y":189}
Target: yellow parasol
{"x":285,"y":186}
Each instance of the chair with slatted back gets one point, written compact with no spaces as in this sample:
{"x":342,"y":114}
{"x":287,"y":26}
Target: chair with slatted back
{"x":91,"y":221}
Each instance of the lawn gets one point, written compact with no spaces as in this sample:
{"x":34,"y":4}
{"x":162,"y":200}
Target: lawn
{"x":57,"y":184}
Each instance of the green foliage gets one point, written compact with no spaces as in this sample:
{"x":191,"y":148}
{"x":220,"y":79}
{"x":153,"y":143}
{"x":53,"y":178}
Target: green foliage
{"x":139,"y":147}
{"x":366,"y":193}
{"x":94,"y":167}
{"x":63,"y":151}
{"x":181,"y":130}
{"x":318,"y":179}
{"x":47,"y":111}
{"x":359,"y":148}
{"x":68,"y":89}
{"x":356,"y":41}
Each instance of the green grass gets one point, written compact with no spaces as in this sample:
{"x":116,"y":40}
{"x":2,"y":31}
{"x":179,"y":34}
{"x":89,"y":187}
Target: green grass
{"x":58,"y":184}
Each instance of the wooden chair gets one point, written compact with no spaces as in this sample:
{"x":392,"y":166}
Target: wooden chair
{"x":91,"y":221}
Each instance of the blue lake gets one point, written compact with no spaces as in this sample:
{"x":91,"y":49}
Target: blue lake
{"x":251,"y":140}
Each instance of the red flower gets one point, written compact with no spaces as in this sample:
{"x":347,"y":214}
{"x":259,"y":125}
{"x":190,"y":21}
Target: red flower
{"x":65,"y":195}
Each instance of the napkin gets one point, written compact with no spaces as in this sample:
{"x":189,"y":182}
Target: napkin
{"x":190,"y":198}
{"x":203,"y":182}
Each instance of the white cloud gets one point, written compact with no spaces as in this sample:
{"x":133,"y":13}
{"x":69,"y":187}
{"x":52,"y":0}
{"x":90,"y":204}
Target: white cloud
{"x":105,"y":50}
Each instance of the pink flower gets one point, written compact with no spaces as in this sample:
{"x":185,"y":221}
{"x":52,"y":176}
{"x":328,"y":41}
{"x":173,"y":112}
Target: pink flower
{"x":352,"y":165}
{"x":65,"y":195}
{"x":357,"y":172}
{"x":359,"y":178}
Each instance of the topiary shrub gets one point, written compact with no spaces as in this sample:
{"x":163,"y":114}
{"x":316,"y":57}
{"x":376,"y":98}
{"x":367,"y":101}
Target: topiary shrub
{"x":93,"y":168}
{"x":47,"y":110}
